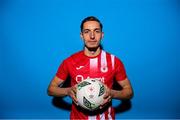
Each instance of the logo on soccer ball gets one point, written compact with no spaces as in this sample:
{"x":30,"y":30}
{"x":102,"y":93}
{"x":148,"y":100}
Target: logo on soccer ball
{"x":102,"y":90}
{"x":82,"y":84}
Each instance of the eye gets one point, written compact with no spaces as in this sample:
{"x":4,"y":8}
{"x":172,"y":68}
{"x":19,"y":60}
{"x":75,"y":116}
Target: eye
{"x":98,"y":31}
{"x":86,"y":31}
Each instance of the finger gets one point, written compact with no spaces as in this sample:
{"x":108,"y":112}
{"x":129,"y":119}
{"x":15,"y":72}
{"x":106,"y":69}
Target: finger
{"x":106,"y":95}
{"x":104,"y":104}
{"x":74,"y":89}
{"x":107,"y":100}
{"x":75,"y":100}
{"x":74,"y":96}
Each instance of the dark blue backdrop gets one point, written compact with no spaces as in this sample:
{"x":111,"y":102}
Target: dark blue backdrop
{"x":36,"y":35}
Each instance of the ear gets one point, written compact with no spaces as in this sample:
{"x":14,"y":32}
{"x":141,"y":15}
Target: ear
{"x":81,"y":35}
{"x":102,"y":35}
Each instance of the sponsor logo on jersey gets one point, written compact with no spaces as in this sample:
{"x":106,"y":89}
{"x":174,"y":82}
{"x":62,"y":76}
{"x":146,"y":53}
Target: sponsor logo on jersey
{"x":79,"y":78}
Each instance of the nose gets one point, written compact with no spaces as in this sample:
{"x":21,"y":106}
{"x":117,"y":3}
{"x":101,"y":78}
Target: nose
{"x":92,"y":35}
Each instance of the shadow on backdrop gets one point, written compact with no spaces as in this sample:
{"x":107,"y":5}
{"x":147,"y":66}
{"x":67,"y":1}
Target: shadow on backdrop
{"x":60,"y":103}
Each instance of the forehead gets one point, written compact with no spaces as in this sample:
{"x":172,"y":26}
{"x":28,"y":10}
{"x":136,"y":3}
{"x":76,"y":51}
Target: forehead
{"x":91,"y":25}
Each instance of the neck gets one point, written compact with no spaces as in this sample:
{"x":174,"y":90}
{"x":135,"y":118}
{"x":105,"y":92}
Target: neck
{"x":92,"y":52}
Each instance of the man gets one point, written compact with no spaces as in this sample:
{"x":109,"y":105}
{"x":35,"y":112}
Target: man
{"x":92,"y":62}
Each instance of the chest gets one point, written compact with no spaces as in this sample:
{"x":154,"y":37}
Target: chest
{"x":84,"y":68}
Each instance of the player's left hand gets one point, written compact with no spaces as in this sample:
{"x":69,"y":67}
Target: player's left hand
{"x":107,"y":97}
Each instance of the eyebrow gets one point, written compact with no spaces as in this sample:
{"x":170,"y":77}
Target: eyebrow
{"x":93,"y":29}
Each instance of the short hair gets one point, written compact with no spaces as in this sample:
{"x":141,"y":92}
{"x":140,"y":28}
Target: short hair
{"x":91,"y":18}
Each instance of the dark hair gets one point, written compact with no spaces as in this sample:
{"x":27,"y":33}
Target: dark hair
{"x":91,"y":18}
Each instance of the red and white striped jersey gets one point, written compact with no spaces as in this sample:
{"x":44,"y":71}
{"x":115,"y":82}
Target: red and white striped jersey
{"x":105,"y":67}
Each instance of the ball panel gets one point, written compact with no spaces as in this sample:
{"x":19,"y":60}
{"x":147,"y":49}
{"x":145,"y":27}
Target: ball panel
{"x":82,"y":84}
{"x":102,"y":89}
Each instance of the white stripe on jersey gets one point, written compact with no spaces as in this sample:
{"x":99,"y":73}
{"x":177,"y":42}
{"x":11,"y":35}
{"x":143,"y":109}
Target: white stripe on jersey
{"x":112,"y":61}
{"x":109,"y":114}
{"x":102,"y":116}
{"x":104,"y":67}
{"x":92,"y":117}
{"x":94,"y":63}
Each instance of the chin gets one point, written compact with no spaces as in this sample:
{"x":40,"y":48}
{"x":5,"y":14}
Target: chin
{"x":92,"y":48}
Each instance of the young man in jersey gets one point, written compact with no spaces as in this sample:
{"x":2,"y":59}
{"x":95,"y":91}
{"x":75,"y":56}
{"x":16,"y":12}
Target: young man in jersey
{"x":92,"y":62}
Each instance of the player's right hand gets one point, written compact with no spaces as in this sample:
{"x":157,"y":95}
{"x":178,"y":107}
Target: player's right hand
{"x":72,"y":94}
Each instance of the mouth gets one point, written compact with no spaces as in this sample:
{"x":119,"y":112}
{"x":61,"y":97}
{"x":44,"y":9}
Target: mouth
{"x":92,"y":41}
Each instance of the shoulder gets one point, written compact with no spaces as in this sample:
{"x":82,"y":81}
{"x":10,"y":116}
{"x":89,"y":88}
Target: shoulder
{"x":114,"y":58}
{"x":110,"y":54}
{"x":74,"y":56}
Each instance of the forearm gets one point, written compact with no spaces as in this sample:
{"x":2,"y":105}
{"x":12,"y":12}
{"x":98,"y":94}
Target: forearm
{"x":57,"y":91}
{"x":122,"y":94}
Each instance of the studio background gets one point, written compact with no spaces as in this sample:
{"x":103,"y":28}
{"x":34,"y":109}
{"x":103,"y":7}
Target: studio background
{"x":36,"y":35}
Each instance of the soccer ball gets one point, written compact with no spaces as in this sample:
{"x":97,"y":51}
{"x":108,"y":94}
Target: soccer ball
{"x":90,"y":94}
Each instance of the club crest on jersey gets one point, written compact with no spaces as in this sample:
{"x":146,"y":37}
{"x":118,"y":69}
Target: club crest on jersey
{"x":104,"y":69}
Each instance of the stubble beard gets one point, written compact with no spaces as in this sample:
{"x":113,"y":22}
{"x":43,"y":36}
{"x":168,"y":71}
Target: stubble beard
{"x":92,"y":49}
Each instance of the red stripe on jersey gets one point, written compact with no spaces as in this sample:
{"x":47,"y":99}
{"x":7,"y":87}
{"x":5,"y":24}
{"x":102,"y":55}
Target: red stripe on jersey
{"x":98,"y":117}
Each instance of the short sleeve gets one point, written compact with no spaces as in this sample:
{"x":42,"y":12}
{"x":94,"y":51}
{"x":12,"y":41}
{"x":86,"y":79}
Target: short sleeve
{"x":120,"y":72}
{"x":62,"y":71}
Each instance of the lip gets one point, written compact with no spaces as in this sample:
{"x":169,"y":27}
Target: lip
{"x":92,"y":41}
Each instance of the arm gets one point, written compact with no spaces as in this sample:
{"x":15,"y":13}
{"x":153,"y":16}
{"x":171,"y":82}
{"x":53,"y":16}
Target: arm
{"x":125,"y":93}
{"x":55,"y":90}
